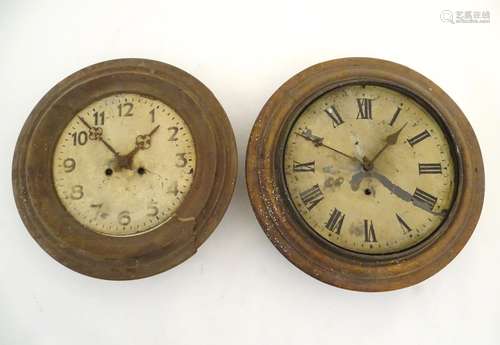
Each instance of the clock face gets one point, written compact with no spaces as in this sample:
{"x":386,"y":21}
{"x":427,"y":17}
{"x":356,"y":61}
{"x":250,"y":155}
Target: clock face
{"x":369,"y":169}
{"x":123,"y":165}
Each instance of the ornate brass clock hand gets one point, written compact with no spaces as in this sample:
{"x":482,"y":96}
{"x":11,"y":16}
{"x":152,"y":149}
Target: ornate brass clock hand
{"x":142,"y":142}
{"x":99,"y":137}
{"x":318,"y":141}
{"x":391,"y":139}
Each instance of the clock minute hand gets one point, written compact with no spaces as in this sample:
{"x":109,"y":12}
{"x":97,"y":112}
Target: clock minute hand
{"x":154,"y":130}
{"x":393,"y":188}
{"x":318,"y":141}
{"x":404,"y":195}
{"x":100,"y":137}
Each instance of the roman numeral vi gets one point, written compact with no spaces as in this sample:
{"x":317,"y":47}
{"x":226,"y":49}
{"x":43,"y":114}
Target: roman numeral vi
{"x":369,"y":232}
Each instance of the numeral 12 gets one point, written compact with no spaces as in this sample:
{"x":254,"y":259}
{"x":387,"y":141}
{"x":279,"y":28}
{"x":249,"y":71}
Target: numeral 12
{"x":364,"y":108}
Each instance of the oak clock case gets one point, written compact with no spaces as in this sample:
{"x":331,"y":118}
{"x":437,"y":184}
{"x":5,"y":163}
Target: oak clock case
{"x":124,"y":168}
{"x":365,"y":174}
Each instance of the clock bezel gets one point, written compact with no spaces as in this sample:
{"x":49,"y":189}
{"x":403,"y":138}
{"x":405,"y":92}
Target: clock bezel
{"x":328,"y":262}
{"x":150,"y":252}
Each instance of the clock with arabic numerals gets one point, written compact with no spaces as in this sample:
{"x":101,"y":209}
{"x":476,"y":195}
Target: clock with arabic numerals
{"x":365,"y":174}
{"x":124,"y":168}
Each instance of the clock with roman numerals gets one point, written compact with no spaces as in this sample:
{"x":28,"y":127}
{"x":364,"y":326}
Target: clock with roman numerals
{"x":365,"y":174}
{"x":124,"y":168}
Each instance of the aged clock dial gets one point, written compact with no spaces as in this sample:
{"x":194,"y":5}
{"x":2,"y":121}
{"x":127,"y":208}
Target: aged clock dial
{"x":365,"y":174}
{"x":124,"y":164}
{"x":124,"y":168}
{"x":369,"y":169}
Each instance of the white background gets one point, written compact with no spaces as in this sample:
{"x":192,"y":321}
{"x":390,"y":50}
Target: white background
{"x":238,"y":289}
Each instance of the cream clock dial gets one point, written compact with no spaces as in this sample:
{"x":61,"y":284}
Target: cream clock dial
{"x":123,"y":164}
{"x":369,"y":169}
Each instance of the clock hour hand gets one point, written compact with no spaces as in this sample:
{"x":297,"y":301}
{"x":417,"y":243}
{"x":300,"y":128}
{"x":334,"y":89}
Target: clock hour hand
{"x":97,"y":132}
{"x":142,"y":142}
{"x":391,"y":139}
{"x":393,"y":188}
{"x":318,"y":141}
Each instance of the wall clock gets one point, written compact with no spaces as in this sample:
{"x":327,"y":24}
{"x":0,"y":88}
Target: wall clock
{"x":365,"y":174}
{"x":124,"y":168}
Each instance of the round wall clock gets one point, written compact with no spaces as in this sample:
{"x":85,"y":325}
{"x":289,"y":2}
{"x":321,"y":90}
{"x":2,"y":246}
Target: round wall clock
{"x":365,"y":174}
{"x":124,"y":168}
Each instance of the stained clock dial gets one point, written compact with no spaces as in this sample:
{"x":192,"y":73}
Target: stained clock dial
{"x":369,"y":169}
{"x":123,"y":165}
